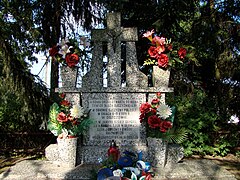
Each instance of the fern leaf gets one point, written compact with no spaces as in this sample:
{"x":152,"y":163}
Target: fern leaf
{"x":54,"y":111}
{"x":176,"y":135}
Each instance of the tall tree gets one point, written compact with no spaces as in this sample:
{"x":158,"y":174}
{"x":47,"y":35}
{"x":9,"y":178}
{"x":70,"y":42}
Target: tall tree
{"x":29,"y":27}
{"x":215,"y":35}
{"x":53,"y":22}
{"x":210,"y":27}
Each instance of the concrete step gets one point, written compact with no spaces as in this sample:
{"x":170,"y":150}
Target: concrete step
{"x":200,"y":169}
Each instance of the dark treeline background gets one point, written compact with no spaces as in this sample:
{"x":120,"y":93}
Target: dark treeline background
{"x":206,"y":89}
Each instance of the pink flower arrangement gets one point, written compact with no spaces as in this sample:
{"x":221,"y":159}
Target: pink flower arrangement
{"x":161,"y":51}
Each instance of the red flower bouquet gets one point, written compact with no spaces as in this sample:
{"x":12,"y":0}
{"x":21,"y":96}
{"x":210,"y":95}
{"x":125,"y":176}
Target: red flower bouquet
{"x":157,"y":117}
{"x":66,"y":54}
{"x":67,"y":120}
{"x":161,"y":51}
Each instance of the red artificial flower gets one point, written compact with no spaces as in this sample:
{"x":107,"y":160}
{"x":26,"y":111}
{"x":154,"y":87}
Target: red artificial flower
{"x":158,"y":94}
{"x":145,"y":107}
{"x":153,"y":111}
{"x":53,"y":51}
{"x":65,"y":103}
{"x":155,"y":101}
{"x":160,"y":49}
{"x":169,"y":47}
{"x":154,"y":121}
{"x":62,"y":117}
{"x":72,"y":59}
{"x":182,"y":52}
{"x":142,"y":117}
{"x":162,"y":60}
{"x":165,"y":125}
{"x":152,"y":51}
{"x":62,"y":95}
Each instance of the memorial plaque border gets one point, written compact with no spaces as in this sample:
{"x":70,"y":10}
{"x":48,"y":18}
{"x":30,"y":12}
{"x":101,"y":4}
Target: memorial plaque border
{"x":88,"y":142}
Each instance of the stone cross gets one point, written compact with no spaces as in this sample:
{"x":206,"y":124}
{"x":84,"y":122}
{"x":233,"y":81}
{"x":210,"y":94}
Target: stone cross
{"x":114,"y":34}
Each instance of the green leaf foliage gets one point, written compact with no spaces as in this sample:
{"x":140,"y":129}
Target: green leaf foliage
{"x":84,"y":126}
{"x":53,"y":125}
{"x":196,"y":119}
{"x":54,"y":111}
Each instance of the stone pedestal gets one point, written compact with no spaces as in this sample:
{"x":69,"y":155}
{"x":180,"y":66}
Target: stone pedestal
{"x":69,"y":76}
{"x":157,"y":152}
{"x":67,"y":151}
{"x":51,"y":152}
{"x":160,"y":77}
{"x":175,"y":154}
{"x":161,"y":154}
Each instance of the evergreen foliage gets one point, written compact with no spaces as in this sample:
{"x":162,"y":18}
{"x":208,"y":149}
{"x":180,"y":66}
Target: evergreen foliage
{"x":206,"y":92}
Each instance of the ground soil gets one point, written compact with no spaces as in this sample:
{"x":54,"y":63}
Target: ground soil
{"x":230,"y":162}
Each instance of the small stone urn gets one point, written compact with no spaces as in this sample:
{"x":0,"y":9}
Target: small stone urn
{"x":157,"y":151}
{"x":67,"y":150}
{"x":69,"y":76}
{"x":160,"y":77}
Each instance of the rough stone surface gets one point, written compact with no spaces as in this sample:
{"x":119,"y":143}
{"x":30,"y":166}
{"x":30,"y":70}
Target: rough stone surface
{"x":73,"y":98}
{"x":134,"y":78}
{"x":94,"y":78}
{"x":69,"y":76}
{"x":175,"y":154}
{"x":67,"y":151}
{"x":157,"y":152}
{"x":160,"y":77}
{"x":136,"y":84}
{"x":51,"y":152}
{"x":46,"y":170}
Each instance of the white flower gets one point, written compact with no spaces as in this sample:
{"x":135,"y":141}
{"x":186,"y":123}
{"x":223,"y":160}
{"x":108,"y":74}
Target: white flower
{"x":118,"y":173}
{"x":234,"y":119}
{"x":69,"y":49}
{"x":164,"y":111}
{"x":77,"y":111}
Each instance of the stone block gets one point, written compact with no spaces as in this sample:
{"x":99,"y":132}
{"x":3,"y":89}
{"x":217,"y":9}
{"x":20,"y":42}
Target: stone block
{"x":67,"y":149}
{"x":94,"y":154}
{"x":175,"y":154}
{"x":51,"y":152}
{"x":157,"y":151}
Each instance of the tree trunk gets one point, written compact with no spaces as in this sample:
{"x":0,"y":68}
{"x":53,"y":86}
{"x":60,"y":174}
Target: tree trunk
{"x":54,"y":79}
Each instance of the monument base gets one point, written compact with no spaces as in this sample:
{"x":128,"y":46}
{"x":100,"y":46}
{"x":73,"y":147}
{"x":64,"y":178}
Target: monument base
{"x":93,"y":154}
{"x":156,"y":153}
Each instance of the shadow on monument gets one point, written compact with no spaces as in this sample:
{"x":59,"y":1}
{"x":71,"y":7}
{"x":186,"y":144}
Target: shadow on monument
{"x":115,"y":108}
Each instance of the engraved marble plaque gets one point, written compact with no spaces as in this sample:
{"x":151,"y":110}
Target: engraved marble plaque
{"x":117,"y":117}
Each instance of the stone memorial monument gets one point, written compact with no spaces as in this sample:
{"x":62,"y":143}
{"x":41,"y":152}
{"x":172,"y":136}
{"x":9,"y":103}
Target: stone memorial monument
{"x":114,"y":108}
